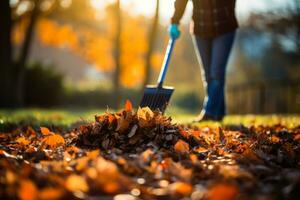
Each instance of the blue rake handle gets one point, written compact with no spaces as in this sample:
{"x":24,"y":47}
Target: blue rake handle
{"x":166,"y":62}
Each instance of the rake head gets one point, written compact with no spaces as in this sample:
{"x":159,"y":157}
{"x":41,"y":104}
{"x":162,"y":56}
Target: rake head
{"x":157,"y":98}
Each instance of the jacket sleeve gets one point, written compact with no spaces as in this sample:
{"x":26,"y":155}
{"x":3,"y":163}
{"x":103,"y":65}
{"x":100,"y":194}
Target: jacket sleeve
{"x":180,"y":6}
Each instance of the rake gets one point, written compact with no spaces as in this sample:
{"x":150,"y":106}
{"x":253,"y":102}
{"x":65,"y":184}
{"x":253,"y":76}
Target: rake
{"x":157,"y":97}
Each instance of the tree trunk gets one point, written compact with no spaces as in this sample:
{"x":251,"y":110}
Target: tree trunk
{"x":152,"y":38}
{"x":117,"y":74}
{"x":25,"y":50}
{"x":5,"y":54}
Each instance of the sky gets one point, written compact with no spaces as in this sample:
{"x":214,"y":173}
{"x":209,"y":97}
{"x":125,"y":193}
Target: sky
{"x":147,"y":7}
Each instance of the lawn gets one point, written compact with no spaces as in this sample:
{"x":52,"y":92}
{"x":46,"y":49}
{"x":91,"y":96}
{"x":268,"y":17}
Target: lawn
{"x":68,"y":117}
{"x":140,"y":154}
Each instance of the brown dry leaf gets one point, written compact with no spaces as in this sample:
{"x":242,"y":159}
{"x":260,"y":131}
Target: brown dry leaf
{"x":22,"y":140}
{"x":181,"y":188}
{"x":166,"y":163}
{"x":54,"y":140}
{"x":45,"y":131}
{"x":30,"y":131}
{"x":223,"y":192}
{"x":50,"y":193}
{"x":27,"y":190}
{"x":181,"y":147}
{"x":76,"y":183}
{"x":297,"y":137}
{"x":201,"y":150}
{"x":133,"y":131}
{"x":128,"y":106}
{"x":122,"y":124}
{"x":145,"y":115}
{"x":275,"y":139}
{"x":196,"y":133}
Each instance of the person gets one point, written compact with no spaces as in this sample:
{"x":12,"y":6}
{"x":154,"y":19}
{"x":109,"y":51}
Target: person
{"x":214,"y":27}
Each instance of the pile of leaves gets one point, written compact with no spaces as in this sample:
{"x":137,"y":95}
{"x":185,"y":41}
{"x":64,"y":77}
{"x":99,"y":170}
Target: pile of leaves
{"x":143,"y":155}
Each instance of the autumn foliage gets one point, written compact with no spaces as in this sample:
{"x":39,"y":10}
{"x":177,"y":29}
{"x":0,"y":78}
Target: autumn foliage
{"x":142,"y":154}
{"x":97,"y":46}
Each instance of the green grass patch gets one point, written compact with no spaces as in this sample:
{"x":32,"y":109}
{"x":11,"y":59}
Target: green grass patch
{"x":67,"y":118}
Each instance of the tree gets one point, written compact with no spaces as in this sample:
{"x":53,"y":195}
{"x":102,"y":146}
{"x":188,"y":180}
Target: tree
{"x":117,"y":54}
{"x":20,"y":65}
{"x":5,"y":53}
{"x":13,"y":72}
{"x":152,"y":37}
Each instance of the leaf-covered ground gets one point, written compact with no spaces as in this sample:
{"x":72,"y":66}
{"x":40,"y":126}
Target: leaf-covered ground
{"x":144,"y":155}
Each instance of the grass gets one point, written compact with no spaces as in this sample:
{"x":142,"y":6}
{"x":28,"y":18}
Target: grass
{"x":67,"y":117}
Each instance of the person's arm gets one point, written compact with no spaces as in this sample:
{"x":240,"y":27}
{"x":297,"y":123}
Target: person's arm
{"x":180,"y":6}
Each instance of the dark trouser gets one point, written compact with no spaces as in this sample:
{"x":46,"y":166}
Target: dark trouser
{"x":214,"y":54}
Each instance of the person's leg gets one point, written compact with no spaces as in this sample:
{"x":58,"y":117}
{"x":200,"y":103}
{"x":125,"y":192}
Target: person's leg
{"x":203,"y":49}
{"x":221,"y":49}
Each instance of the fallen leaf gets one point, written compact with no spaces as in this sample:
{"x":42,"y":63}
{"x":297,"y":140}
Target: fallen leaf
{"x":45,"y":131}
{"x":181,"y":188}
{"x":122,"y":124}
{"x":275,"y":139}
{"x":297,"y":137}
{"x":128,"y":106}
{"x":10,"y":177}
{"x":181,"y":147}
{"x":200,"y":150}
{"x":111,"y":118}
{"x":111,"y":187}
{"x":223,"y":191}
{"x":145,"y":115}
{"x":22,"y":140}
{"x":184,"y":133}
{"x":133,"y":131}
{"x":54,"y":140}
{"x":76,"y":183}
{"x":50,"y":193}
{"x":27,"y":190}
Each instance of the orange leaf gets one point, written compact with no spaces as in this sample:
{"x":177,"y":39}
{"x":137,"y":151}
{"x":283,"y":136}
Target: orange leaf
{"x":184,"y":133}
{"x":76,"y":183}
{"x":11,"y":177}
{"x":275,"y":139}
{"x":223,"y":192}
{"x":93,"y":154}
{"x":181,"y":188}
{"x":54,"y":140}
{"x":181,"y":147}
{"x":128,"y":106}
{"x":27,"y":190}
{"x":201,"y":150}
{"x":45,"y":131}
{"x":297,"y":137}
{"x":196,"y":134}
{"x":111,"y":118}
{"x":111,"y":187}
{"x":22,"y":140}
{"x":51,"y":193}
